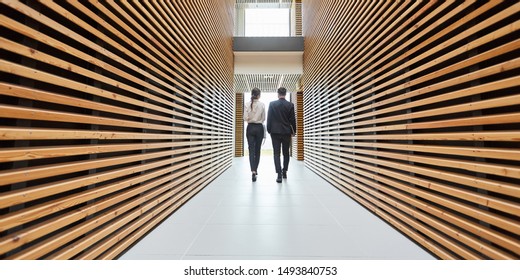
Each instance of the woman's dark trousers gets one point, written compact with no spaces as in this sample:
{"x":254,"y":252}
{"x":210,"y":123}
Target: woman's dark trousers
{"x":255,"y":135}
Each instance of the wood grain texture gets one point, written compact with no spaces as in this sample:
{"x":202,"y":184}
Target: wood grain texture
{"x":297,"y":140}
{"x":112,"y":115}
{"x":412,"y":109}
{"x":239,"y":125}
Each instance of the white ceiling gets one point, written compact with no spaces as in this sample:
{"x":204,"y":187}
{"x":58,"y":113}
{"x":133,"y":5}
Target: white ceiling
{"x":268,"y":71}
{"x":267,"y":82}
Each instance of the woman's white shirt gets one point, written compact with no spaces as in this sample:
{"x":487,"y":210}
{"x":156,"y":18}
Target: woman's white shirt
{"x":255,"y":115}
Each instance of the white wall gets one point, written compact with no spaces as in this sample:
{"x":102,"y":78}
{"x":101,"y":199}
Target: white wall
{"x":268,"y":62}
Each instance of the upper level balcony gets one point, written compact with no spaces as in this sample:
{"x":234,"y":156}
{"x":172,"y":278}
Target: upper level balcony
{"x":268,"y":44}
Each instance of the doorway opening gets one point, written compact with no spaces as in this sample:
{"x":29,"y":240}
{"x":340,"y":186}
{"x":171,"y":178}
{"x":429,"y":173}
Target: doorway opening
{"x":266,"y":98}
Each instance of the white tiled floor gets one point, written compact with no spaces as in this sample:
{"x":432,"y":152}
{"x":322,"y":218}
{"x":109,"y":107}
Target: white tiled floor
{"x":302,"y":218}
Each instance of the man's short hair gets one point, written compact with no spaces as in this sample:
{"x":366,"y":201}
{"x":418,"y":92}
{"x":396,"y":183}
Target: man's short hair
{"x":282,"y":91}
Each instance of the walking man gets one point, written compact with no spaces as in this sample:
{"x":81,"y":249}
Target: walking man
{"x":281,"y":124}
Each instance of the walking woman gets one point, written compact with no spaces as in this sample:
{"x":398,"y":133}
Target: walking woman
{"x":254,"y":115}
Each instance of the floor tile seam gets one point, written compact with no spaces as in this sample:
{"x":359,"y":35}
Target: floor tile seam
{"x":342,"y":227}
{"x":266,"y":206}
{"x":324,"y":257}
{"x":201,"y":229}
{"x":248,"y":193}
{"x":158,"y":254}
{"x":327,"y":208}
{"x":272,"y":224}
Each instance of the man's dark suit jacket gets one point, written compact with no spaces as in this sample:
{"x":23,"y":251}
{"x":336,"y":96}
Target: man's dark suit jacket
{"x":280,"y":117}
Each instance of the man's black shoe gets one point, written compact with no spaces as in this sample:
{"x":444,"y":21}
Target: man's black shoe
{"x":284,"y":174}
{"x":279,"y":178}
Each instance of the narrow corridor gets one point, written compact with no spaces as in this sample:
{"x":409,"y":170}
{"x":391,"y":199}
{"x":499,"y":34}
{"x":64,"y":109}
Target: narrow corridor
{"x":302,"y":218}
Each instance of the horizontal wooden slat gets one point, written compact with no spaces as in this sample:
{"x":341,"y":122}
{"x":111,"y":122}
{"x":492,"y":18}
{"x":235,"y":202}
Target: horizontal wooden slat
{"x":16,"y":154}
{"x":112,"y":116}
{"x":437,"y":224}
{"x":493,"y":153}
{"x":455,"y":136}
{"x":7,"y":133}
{"x":297,"y":140}
{"x":122,"y":225}
{"x":507,"y":206}
{"x":472,"y":106}
{"x":412,"y":109}
{"x":39,"y":191}
{"x":50,"y":78}
{"x":495,"y":186}
{"x":40,"y":95}
{"x":32,"y":233}
{"x":239,"y":124}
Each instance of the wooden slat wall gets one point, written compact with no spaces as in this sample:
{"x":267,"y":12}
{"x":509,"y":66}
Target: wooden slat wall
{"x":297,"y":141}
{"x":112,"y":115}
{"x":412,"y":108}
{"x":239,"y":124}
{"x":298,"y":12}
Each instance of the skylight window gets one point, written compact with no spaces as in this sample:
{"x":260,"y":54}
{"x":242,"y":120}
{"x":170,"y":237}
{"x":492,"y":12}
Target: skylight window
{"x":267,"y":22}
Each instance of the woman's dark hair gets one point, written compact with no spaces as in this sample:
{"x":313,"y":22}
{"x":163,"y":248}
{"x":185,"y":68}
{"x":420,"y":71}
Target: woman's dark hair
{"x":255,"y":93}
